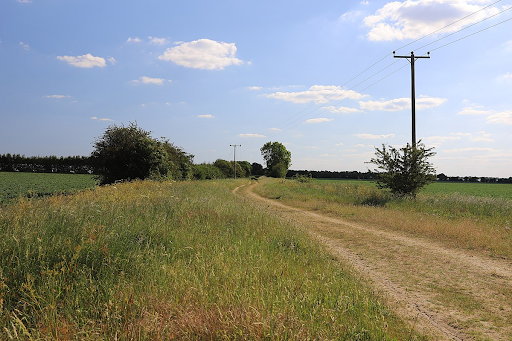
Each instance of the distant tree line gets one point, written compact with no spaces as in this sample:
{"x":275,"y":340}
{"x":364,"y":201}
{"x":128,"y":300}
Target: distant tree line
{"x":331,"y":174}
{"x":45,"y":164}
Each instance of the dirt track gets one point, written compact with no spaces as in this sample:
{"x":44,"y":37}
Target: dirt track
{"x":447,"y":293}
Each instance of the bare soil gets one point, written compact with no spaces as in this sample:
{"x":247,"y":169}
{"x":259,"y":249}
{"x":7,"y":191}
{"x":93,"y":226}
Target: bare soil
{"x":450,"y":294}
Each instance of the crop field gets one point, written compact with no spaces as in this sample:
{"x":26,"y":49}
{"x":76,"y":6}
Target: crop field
{"x":187,"y":260}
{"x":14,"y":185}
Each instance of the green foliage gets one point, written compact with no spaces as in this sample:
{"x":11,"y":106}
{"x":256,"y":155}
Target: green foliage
{"x":257,"y":169}
{"x":243,"y":168}
{"x":277,"y":158}
{"x":128,"y":153}
{"x":207,"y":171}
{"x":303,"y":178}
{"x":404,"y":171}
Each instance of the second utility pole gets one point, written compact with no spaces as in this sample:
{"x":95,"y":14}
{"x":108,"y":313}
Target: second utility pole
{"x":234,"y":155}
{"x":413,"y":94}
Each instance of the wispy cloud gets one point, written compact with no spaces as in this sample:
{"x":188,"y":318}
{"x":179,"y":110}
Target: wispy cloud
{"x":317,"y":94}
{"x":255,"y":88}
{"x":375,"y":137}
{"x":157,"y":41}
{"x":24,"y":1}
{"x":84,"y":61}
{"x":412,"y":19}
{"x":251,"y":135}
{"x":402,"y":103}
{"x":134,"y":40}
{"x":206,"y":116}
{"x":506,"y":77}
{"x":203,"y":54}
{"x":319,"y":120}
{"x":102,"y":119}
{"x":112,"y":60}
{"x":148,"y":80}
{"x":57,"y":96}
{"x":492,"y":116}
{"x":341,"y":110}
{"x":24,"y":46}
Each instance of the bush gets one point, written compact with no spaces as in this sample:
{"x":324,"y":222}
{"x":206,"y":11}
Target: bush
{"x":404,"y":171}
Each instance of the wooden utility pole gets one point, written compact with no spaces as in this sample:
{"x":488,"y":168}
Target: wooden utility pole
{"x":411,"y":59}
{"x":234,"y":156}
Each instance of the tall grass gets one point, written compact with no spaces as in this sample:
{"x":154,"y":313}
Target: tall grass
{"x":474,"y":222}
{"x":150,"y":260}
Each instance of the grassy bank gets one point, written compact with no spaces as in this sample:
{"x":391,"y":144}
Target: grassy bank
{"x":468,"y":221}
{"x":150,"y":260}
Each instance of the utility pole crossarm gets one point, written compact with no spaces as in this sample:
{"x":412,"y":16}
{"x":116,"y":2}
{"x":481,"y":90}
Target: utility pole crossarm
{"x":411,"y":60}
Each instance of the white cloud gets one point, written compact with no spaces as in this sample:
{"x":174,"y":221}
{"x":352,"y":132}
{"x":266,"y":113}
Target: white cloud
{"x":504,"y":117}
{"x":275,"y":129}
{"x":112,"y":60}
{"x":251,"y":135}
{"x":338,"y":144}
{"x":102,"y":119}
{"x":134,"y":40}
{"x":149,"y":80}
{"x":364,"y":2}
{"x":436,"y":141}
{"x":341,"y":110}
{"x":203,"y":54}
{"x":360,"y":145}
{"x":85,"y":61}
{"x":255,"y":88}
{"x":24,"y":46}
{"x":470,"y":149}
{"x":474,"y":111}
{"x":317,"y":94}
{"x":412,"y":19}
{"x":402,"y":103}
{"x":205,"y":116}
{"x":157,"y":41}
{"x":350,"y":16}
{"x":24,"y":1}
{"x":375,"y":137}
{"x":505,"y":77}
{"x":319,"y":120}
{"x":501,"y":118}
{"x":57,"y":96}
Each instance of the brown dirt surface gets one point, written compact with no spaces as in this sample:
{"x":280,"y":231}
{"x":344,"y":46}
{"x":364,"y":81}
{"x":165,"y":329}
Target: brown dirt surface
{"x":450,"y":294}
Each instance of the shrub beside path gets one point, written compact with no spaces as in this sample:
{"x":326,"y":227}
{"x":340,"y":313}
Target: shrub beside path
{"x":448,"y":293}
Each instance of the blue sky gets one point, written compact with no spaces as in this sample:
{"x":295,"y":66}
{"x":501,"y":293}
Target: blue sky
{"x":207,"y":74}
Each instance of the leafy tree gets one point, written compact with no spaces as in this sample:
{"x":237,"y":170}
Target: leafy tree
{"x":277,"y":158}
{"x":405,"y":170}
{"x":245,"y":166}
{"x":180,"y":162}
{"x":206,"y":171}
{"x":128,"y":153}
{"x":257,"y":169}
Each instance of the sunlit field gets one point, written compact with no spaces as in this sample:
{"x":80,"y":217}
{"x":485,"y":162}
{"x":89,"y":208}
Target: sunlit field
{"x":18,"y":184}
{"x":159,"y":260}
{"x":446,"y":212}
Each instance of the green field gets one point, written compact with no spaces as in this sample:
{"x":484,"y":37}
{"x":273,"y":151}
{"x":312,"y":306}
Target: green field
{"x":14,"y":185}
{"x":476,"y":189}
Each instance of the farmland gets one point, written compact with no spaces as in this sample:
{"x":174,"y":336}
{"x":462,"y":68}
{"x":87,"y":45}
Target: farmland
{"x":14,"y":184}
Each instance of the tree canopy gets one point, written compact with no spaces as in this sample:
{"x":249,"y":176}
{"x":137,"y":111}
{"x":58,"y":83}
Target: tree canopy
{"x":128,"y":153}
{"x":277,"y":158}
{"x":404,"y":171}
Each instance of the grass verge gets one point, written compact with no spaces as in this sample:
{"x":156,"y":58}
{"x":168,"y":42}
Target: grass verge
{"x":151,"y":260}
{"x":465,"y":221}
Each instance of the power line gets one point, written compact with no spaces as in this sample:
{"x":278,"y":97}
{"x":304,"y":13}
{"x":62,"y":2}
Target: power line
{"x":380,"y":60}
